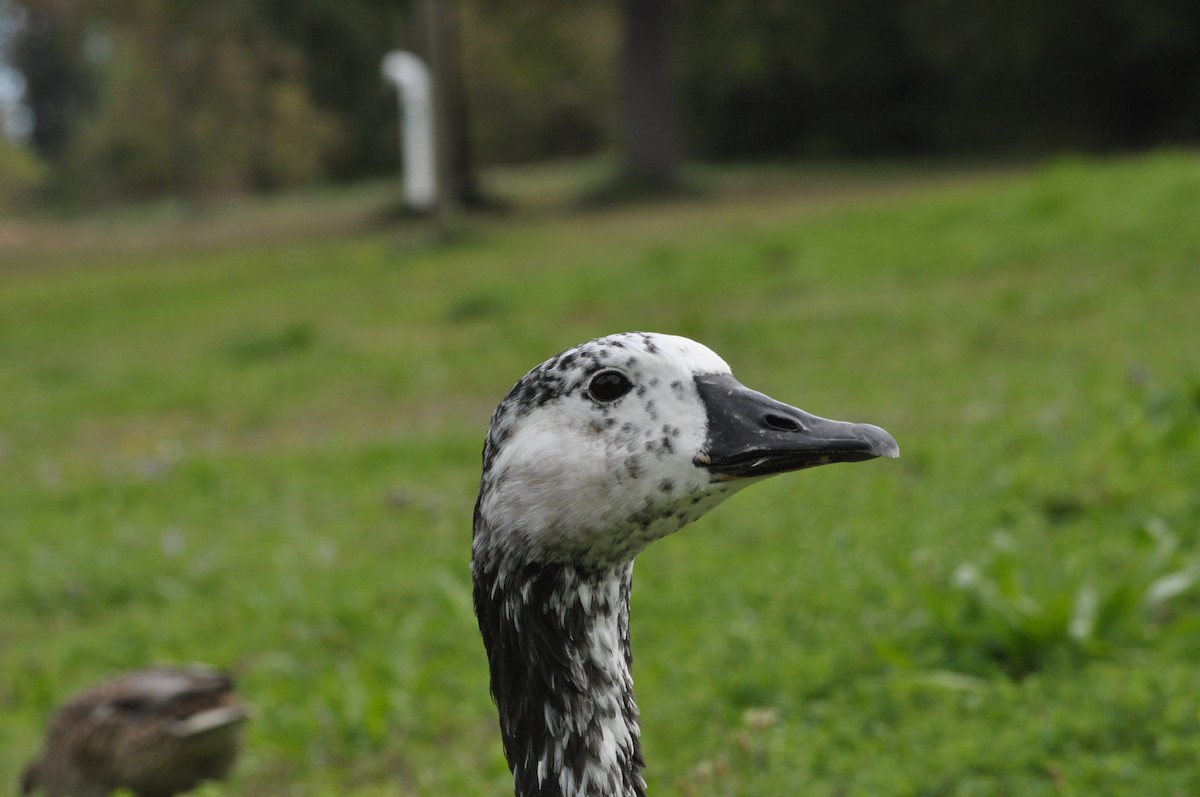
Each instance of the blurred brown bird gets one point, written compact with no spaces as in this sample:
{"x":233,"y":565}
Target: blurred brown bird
{"x":156,"y":732}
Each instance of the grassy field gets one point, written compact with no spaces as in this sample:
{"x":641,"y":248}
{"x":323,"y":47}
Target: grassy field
{"x":261,"y":451}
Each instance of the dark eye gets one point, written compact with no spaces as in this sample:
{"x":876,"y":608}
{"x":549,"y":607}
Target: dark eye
{"x":129,"y":705}
{"x":609,"y":386}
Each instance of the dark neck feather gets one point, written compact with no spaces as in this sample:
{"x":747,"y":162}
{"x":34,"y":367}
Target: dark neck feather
{"x":557,"y":639}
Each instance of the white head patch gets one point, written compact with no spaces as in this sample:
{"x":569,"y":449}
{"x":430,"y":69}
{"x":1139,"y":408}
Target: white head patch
{"x":586,"y":470}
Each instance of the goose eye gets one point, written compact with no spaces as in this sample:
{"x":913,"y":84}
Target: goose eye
{"x":609,"y":386}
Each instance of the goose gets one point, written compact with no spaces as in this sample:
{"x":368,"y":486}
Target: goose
{"x":591,"y":456}
{"x":157,"y":732}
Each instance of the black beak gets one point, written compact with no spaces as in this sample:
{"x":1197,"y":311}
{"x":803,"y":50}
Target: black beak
{"x":751,"y":435}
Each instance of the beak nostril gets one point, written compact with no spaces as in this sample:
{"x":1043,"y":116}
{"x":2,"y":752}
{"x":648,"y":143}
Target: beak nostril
{"x":782,"y":423}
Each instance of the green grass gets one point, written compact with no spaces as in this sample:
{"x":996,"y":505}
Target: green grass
{"x":263,"y":454}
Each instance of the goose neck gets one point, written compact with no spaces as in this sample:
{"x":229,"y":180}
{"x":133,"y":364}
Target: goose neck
{"x":557,"y":638}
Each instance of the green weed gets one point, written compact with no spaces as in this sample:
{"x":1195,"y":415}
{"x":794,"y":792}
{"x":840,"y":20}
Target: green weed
{"x":995,"y":613}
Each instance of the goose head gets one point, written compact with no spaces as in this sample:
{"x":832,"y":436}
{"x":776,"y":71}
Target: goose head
{"x":601,"y":450}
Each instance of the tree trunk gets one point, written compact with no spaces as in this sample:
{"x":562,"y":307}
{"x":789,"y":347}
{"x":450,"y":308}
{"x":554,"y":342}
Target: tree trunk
{"x":650,"y":156}
{"x":178,"y":59}
{"x":460,"y":163}
{"x":435,"y":14}
{"x":458,"y":185}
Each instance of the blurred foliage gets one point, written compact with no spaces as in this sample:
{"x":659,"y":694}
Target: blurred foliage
{"x":341,"y":44}
{"x":20,"y":175}
{"x":996,"y":613}
{"x":860,"y":77}
{"x":141,"y":96}
{"x":542,"y":82}
{"x":195,"y":98}
{"x":1001,"y":608}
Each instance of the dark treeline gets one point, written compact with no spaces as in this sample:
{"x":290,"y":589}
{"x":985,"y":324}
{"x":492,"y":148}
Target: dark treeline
{"x":854,"y":77}
{"x":137,"y":97}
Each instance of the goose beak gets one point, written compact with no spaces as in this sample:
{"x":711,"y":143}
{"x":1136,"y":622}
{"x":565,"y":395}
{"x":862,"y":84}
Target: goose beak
{"x":751,"y":435}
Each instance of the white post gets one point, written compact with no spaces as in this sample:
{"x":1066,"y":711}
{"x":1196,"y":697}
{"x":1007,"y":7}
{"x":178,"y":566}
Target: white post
{"x":411,"y":77}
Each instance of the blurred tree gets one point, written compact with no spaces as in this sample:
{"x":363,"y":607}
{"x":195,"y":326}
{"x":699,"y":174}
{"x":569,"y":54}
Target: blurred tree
{"x":202,"y":96}
{"x":49,"y":50}
{"x":341,"y":44}
{"x":856,"y":77}
{"x":555,"y":78}
{"x":197,"y":97}
{"x":825,"y":77}
{"x":540,"y":77}
{"x":1032,"y":75}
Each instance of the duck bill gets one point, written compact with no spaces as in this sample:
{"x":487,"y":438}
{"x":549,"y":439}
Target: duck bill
{"x":751,"y":435}
{"x":210,"y":720}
